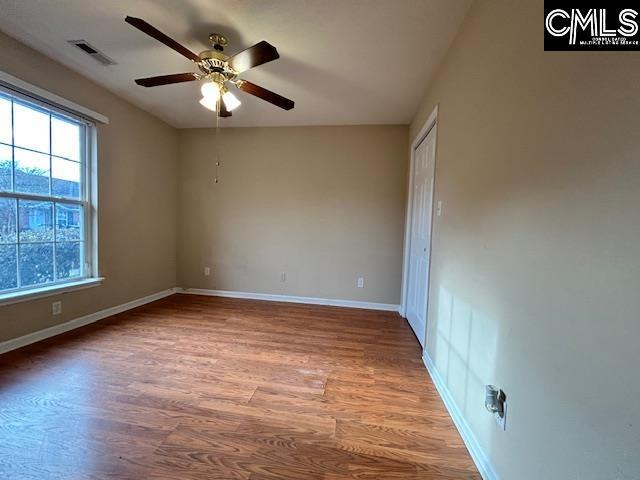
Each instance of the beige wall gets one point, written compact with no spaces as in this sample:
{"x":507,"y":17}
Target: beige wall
{"x":536,"y":262}
{"x":137,"y":196}
{"x":535,"y":270}
{"x":323,"y":204}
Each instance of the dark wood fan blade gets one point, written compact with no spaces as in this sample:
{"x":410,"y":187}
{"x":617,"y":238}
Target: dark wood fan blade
{"x":161,"y":37}
{"x":166,"y":79}
{"x":223,"y":109}
{"x":260,"y":53}
{"x":268,"y":95}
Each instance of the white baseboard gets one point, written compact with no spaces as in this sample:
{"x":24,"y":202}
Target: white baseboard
{"x":477,"y":454}
{"x":30,"y":338}
{"x":292,"y":299}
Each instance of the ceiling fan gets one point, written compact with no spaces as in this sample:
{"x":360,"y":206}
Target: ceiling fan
{"x":217,"y":69}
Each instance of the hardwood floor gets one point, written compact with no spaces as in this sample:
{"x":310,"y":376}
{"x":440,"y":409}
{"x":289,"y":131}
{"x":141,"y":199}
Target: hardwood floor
{"x":209,"y":388}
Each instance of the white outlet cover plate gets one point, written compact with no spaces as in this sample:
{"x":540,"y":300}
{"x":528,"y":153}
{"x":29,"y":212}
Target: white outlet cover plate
{"x":502,"y":420}
{"x":56,"y":308}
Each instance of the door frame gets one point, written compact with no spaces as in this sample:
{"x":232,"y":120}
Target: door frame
{"x":429,"y":124}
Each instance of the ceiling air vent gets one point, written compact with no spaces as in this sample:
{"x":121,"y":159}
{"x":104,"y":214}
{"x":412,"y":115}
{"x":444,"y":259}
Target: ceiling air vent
{"x":93,"y":52}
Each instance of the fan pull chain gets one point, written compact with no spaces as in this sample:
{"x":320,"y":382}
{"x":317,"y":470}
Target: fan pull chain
{"x":215,"y":180}
{"x":217,"y":148}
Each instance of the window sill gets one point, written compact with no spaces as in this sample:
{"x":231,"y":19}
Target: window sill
{"x":49,"y":290}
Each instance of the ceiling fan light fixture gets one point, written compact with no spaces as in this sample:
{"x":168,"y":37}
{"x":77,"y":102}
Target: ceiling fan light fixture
{"x":230,"y":101}
{"x":217,"y":69}
{"x":210,"y":103}
{"x":210,"y":91}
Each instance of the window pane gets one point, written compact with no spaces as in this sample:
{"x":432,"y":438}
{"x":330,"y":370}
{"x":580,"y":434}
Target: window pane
{"x":8,"y":271}
{"x":36,"y":263}
{"x":5,"y":120}
{"x":65,"y":139}
{"x":69,"y":259}
{"x":6,"y":168}
{"x":8,"y":220}
{"x":32,"y":172}
{"x":35,"y":221}
{"x":65,"y":178}
{"x":30,"y":128}
{"x":68,"y":222}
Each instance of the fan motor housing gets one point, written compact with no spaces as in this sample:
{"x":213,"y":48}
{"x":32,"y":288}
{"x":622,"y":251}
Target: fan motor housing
{"x":213,"y":61}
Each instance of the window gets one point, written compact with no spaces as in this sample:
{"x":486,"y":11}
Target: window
{"x":45,"y":195}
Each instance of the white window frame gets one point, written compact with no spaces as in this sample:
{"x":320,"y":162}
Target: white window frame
{"x":61,"y":107}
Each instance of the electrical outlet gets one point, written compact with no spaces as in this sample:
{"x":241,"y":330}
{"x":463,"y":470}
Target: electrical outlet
{"x":207,"y":271}
{"x":360,"y":283}
{"x":283,"y":276}
{"x":439,"y":208}
{"x":495,"y":401}
{"x":56,"y":308}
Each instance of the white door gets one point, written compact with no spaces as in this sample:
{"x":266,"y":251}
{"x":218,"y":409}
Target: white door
{"x":420,"y":235}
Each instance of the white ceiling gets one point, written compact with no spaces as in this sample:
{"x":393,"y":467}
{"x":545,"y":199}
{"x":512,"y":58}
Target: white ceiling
{"x":342,"y":61}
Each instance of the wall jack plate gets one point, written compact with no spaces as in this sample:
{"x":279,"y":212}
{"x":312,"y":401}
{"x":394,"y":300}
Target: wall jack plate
{"x":502,"y":420}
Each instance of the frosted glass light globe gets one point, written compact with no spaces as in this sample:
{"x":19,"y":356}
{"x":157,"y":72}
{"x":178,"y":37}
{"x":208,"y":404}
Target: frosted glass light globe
{"x":210,"y":91}
{"x":230,"y":101}
{"x":210,"y":103}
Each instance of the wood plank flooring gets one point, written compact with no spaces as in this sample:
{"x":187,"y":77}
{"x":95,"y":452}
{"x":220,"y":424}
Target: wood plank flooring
{"x":196,"y":387}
